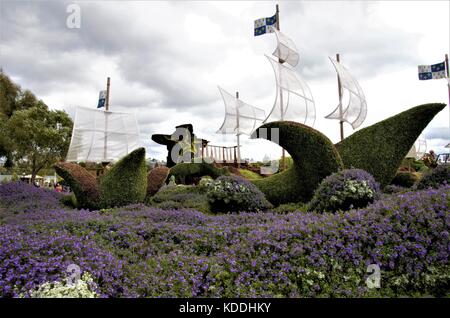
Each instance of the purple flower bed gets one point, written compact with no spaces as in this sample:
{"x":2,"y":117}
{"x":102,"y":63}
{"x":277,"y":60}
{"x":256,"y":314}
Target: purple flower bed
{"x":148,"y":252}
{"x":23,"y":197}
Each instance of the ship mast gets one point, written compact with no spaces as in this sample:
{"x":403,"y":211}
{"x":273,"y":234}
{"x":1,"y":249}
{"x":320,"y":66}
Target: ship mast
{"x":283,"y":155}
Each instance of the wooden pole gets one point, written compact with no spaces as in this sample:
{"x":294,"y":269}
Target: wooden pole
{"x":283,"y":154}
{"x":341,"y":122}
{"x":107,"y":94}
{"x":105,"y":146}
{"x":448,"y":86}
{"x":238,"y":135}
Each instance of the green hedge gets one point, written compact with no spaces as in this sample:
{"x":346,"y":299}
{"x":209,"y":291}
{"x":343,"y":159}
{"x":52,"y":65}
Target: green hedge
{"x":190,"y":173}
{"x":180,"y":197}
{"x":379,"y":149}
{"x":126,"y":182}
{"x":156,"y":179}
{"x":314,"y":157}
{"x":435,"y":178}
{"x":405,"y":179}
{"x":83,"y":184}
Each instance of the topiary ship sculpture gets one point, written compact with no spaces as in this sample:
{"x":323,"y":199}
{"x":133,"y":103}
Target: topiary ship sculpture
{"x":378,"y":149}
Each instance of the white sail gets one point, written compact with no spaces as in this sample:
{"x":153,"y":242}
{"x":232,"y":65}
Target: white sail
{"x":286,"y":49}
{"x":102,"y":136}
{"x":240,"y":118}
{"x":293,"y":100}
{"x":355,"y":111}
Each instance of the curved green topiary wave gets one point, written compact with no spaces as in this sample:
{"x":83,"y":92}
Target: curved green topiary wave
{"x":379,"y":149}
{"x":83,"y":184}
{"x":126,"y":182}
{"x":314,"y":156}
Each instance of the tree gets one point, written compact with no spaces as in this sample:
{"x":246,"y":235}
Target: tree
{"x":12,"y":98}
{"x":9,"y":95}
{"x":39,"y":136}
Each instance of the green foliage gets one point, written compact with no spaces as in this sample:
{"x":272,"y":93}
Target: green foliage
{"x":126,"y":182}
{"x":288,"y":161}
{"x":435,"y":177}
{"x":156,"y":179}
{"x":247,"y":174}
{"x":9,"y":95}
{"x":379,"y":149}
{"x":416,"y":165}
{"x":235,"y":194}
{"x":290,"y":208}
{"x":39,"y":136}
{"x":204,"y":183}
{"x":405,"y":179}
{"x":314,"y":157}
{"x":190,"y":173}
{"x":13,"y":99}
{"x":70,"y":200}
{"x":344,"y":190}
{"x":180,"y":197}
{"x":429,"y":160}
{"x":83,"y":184}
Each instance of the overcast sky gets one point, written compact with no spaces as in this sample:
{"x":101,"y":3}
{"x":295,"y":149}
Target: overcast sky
{"x":165,"y":59}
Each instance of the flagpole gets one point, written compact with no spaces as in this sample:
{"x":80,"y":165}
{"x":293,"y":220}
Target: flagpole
{"x":238,"y":135}
{"x":448,"y":86}
{"x":283,"y":155}
{"x":105,"y":146}
{"x":107,"y":94}
{"x":341,"y":122}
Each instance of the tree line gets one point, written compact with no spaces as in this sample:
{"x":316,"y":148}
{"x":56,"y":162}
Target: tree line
{"x":31,"y":134}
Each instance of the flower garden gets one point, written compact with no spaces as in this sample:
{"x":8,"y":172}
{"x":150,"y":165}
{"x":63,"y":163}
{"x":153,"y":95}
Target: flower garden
{"x":309,"y":231}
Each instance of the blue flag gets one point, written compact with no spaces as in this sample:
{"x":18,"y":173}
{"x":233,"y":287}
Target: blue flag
{"x":262,"y":25}
{"x":101,"y":99}
{"x":434,"y":71}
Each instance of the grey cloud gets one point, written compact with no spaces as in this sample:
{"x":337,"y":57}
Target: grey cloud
{"x":437,"y":133}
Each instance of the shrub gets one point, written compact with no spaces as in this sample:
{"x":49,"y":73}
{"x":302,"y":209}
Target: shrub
{"x":190,"y":173}
{"x":70,"y":200}
{"x":82,"y":183}
{"x":290,"y":207}
{"x":82,"y":288}
{"x":204,"y":183}
{"x":234,"y":194}
{"x":156,"y":179}
{"x":405,"y":179}
{"x":314,"y":157}
{"x":379,"y":149}
{"x":180,"y":197}
{"x":353,"y":188}
{"x":126,"y":182}
{"x":436,"y":177}
{"x":248,"y":174}
{"x":416,"y":165}
{"x":391,"y":189}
